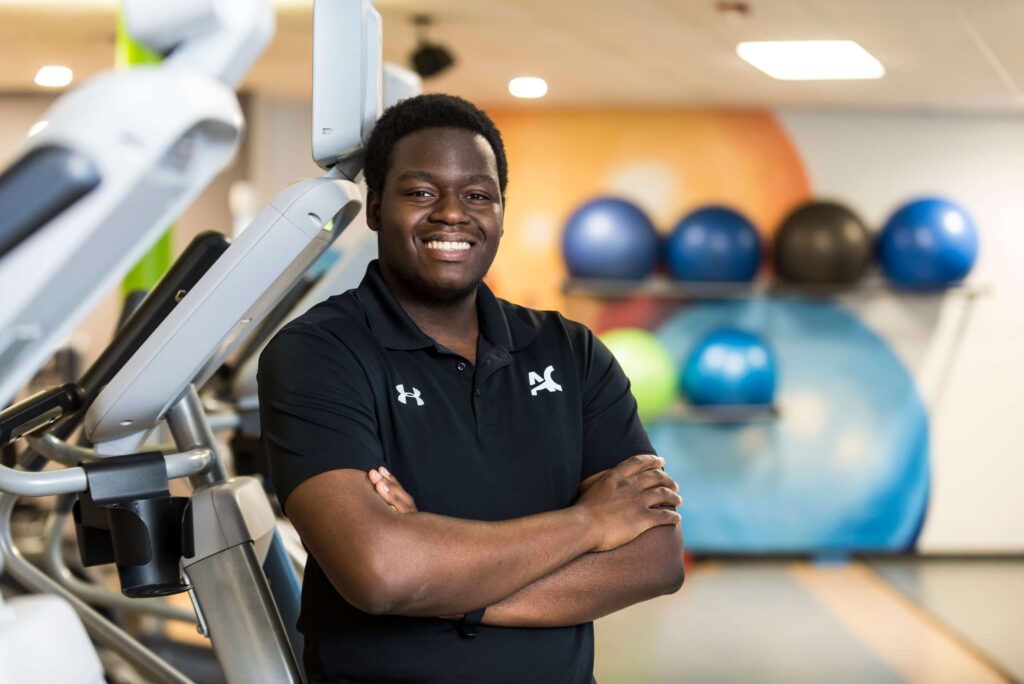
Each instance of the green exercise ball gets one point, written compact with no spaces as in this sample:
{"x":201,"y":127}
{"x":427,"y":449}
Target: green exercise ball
{"x":649,"y":367}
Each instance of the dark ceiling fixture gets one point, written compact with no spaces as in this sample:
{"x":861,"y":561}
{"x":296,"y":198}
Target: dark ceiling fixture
{"x":733,"y":10}
{"x":428,"y":59}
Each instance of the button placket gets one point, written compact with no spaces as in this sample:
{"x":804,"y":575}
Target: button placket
{"x":488,"y":420}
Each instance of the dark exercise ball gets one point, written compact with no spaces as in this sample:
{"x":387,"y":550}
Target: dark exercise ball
{"x":927,"y":243}
{"x":610,"y":238}
{"x":714,"y":244}
{"x":822,"y":243}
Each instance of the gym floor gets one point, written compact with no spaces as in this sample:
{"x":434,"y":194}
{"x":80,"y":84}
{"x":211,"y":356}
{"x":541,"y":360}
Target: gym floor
{"x":887,"y":620}
{"x":765,"y":620}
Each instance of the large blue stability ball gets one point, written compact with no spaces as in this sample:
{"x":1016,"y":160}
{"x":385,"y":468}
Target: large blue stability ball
{"x":610,"y":238}
{"x":930,"y":242}
{"x":714,"y":244}
{"x":730,"y":367}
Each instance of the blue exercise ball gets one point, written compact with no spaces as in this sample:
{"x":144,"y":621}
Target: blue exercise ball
{"x":610,"y":238}
{"x":730,"y":367}
{"x":714,"y":244}
{"x":930,"y":242}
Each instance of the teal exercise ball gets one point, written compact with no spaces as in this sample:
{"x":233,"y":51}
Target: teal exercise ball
{"x":730,"y":367}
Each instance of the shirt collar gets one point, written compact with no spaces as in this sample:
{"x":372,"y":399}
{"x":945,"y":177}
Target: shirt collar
{"x":393,"y":327}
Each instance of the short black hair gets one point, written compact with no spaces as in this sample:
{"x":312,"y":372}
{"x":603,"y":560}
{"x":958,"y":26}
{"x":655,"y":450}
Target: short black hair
{"x":433,"y":110}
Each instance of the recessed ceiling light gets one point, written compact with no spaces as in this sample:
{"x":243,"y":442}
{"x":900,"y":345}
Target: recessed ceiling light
{"x":53,"y":76}
{"x":810,"y":60}
{"x":528,"y":86}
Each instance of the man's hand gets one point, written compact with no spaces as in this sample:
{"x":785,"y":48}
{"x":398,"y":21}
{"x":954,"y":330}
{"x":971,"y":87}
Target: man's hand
{"x":631,"y":498}
{"x":588,"y":483}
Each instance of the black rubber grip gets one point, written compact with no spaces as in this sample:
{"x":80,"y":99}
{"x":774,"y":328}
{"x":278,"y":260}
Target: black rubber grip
{"x":38,"y":187}
{"x":38,"y":411}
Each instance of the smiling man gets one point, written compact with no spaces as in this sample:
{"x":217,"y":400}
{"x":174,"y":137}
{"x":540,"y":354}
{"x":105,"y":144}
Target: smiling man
{"x":530,"y":501}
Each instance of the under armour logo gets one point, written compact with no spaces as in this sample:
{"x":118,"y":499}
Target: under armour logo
{"x":546,"y":383}
{"x":404,"y":396}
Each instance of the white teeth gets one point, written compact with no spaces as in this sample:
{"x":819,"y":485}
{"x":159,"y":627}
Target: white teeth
{"x":447,"y":246}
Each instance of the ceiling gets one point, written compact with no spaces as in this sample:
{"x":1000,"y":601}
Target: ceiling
{"x":939,"y":54}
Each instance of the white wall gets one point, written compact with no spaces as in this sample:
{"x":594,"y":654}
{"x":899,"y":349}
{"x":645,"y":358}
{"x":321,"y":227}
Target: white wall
{"x":279,"y":150}
{"x":874,"y":162}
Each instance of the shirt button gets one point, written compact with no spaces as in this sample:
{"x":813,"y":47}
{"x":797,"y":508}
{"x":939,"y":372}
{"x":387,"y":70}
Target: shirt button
{"x":461,"y":365}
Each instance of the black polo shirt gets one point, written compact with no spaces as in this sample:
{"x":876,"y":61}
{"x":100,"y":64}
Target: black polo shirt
{"x":354,"y":383}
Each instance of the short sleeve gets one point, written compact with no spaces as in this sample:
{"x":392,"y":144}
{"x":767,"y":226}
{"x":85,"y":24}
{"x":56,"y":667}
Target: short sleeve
{"x":316,"y":410}
{"x":612,"y":430}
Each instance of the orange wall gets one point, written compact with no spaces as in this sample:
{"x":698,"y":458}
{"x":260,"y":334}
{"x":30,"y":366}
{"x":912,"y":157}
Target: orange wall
{"x":666,"y":161}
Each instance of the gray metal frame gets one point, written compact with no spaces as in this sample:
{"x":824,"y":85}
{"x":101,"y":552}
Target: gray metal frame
{"x":233,"y":522}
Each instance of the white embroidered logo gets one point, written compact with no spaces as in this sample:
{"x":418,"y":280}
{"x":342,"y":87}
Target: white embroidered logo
{"x":403,"y":396}
{"x":546,"y":383}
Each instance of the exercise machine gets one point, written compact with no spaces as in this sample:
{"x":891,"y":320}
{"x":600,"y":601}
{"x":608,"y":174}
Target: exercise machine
{"x":223,"y":534}
{"x":113,"y":162}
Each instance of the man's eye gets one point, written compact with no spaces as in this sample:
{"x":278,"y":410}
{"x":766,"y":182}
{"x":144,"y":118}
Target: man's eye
{"x":418,"y":193}
{"x":477,"y":196}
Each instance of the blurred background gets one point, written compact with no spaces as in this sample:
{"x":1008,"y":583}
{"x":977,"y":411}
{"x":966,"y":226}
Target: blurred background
{"x":809,"y":267}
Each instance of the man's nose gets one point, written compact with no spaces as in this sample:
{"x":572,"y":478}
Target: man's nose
{"x":448,"y":210}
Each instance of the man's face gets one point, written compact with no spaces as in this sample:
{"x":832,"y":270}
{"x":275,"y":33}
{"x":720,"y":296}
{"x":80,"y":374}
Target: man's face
{"x":440,"y":215}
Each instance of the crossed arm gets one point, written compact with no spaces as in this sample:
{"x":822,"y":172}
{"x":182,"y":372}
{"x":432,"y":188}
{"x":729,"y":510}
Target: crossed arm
{"x":618,"y":544}
{"x":589,"y":587}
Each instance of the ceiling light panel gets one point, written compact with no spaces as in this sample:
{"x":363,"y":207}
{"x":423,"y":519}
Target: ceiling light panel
{"x":53,"y":76}
{"x":811,"y":60}
{"x":528,"y":87}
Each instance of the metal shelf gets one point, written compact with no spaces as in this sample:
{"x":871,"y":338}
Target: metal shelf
{"x":682,"y":412}
{"x":665,"y":288}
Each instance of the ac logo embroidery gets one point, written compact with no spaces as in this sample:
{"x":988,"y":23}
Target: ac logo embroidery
{"x":546,"y":383}
{"x":404,"y":396}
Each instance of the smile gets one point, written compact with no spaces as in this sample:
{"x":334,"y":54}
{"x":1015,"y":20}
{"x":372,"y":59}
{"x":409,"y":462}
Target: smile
{"x":448,"y":246}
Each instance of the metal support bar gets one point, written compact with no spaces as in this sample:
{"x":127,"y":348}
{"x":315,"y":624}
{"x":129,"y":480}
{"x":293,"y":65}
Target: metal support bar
{"x":231,"y":591}
{"x":70,"y":480}
{"x":49,"y":446}
{"x":223,"y":420}
{"x":190,"y":429}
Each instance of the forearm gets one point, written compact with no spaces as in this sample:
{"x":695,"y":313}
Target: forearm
{"x":388,"y":558}
{"x":438,"y":565}
{"x":597,"y":584}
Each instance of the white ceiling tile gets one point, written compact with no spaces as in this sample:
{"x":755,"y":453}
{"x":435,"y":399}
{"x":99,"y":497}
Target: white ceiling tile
{"x":939,"y":54}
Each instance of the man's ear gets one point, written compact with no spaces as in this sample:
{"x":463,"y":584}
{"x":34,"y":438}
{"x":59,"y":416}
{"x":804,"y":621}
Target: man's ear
{"x":502,"y":227}
{"x":372,"y":210}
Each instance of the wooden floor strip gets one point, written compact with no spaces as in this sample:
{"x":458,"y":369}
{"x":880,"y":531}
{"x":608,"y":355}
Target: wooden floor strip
{"x":892,"y":626}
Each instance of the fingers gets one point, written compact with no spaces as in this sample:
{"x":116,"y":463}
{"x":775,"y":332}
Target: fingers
{"x":388,"y":487}
{"x":666,"y":516}
{"x":658,"y":496}
{"x":657,"y":478}
{"x":639,"y":463}
{"x":382,"y":489}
